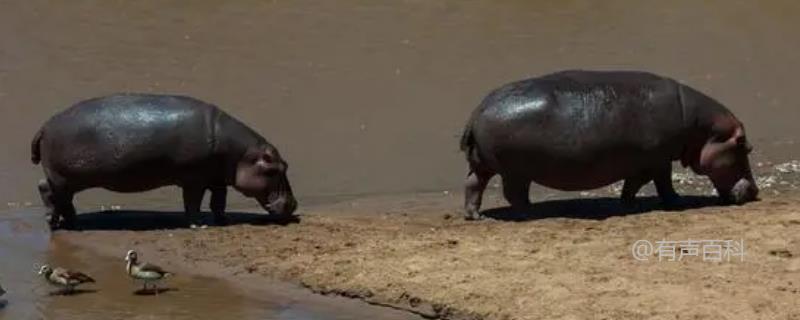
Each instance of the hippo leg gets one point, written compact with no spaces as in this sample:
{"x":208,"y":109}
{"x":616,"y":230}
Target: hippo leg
{"x":218,"y":199}
{"x":58,"y":201}
{"x":65,"y":209}
{"x":192,"y":200}
{"x":47,"y":199}
{"x":663,"y":180}
{"x":473,"y":193}
{"x":631,"y":187}
{"x":516,"y":191}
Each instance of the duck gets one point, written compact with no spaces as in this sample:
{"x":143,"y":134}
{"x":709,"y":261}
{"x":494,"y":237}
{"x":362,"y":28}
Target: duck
{"x":147,"y":272}
{"x":64,"y":278}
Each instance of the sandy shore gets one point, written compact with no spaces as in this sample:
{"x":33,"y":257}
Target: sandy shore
{"x":572,"y":260}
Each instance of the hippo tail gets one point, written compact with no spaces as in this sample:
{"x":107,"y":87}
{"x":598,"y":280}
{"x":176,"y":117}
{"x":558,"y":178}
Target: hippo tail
{"x":467,"y":144}
{"x":36,"y":154}
{"x":467,"y":139}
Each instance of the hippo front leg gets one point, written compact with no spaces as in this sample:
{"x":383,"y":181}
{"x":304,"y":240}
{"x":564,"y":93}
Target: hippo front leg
{"x":663,"y":180}
{"x":631,"y":187}
{"x":192,"y":200}
{"x":218,"y":201}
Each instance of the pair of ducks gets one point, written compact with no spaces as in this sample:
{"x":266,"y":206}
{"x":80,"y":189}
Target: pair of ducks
{"x":69,"y":279}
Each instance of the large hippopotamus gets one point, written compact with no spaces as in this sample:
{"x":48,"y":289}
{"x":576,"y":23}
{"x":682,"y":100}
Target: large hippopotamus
{"x":138,"y":142}
{"x":579,"y":130}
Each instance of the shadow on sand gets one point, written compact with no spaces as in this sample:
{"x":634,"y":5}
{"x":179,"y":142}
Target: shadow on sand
{"x":153,"y":292}
{"x":138,"y":220}
{"x":595,"y":208}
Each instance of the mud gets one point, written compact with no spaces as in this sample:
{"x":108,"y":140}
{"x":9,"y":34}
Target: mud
{"x":565,"y":259}
{"x":197,"y":291}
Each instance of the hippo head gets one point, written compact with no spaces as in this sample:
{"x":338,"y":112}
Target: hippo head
{"x":721,"y":153}
{"x":261,"y":174}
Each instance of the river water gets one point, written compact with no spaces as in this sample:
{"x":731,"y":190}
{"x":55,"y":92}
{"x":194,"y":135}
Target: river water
{"x":369,"y":97}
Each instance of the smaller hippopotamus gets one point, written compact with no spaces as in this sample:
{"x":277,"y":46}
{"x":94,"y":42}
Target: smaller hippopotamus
{"x":139,"y":142}
{"x":579,"y":130}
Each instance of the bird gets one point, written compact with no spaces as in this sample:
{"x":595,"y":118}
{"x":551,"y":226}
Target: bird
{"x":66,"y":279}
{"x":2,"y":292}
{"x":147,"y":272}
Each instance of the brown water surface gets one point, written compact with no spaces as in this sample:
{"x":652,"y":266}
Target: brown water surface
{"x":370,"y":97}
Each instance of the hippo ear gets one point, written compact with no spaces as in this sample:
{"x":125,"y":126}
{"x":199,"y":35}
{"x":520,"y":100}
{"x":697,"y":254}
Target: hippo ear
{"x":718,"y":154}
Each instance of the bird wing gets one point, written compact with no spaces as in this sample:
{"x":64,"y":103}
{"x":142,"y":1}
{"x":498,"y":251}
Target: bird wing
{"x":149,"y":267}
{"x":78,"y":276}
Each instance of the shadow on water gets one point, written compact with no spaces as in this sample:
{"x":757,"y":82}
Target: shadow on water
{"x":153,"y":292}
{"x":595,"y":208}
{"x":75,"y":292}
{"x":139,"y":220}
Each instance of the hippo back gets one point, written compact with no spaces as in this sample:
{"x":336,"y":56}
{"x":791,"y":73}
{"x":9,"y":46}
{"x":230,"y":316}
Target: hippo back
{"x":559,"y":128}
{"x":129,"y":134}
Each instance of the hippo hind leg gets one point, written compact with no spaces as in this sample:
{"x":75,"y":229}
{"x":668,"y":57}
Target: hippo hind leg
{"x":58,"y":201}
{"x":516,"y":190}
{"x":473,"y":192}
{"x":217,"y":204}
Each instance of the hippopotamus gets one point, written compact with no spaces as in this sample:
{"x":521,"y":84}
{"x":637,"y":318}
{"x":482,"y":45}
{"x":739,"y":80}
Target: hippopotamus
{"x":137,"y":142}
{"x":578,"y":130}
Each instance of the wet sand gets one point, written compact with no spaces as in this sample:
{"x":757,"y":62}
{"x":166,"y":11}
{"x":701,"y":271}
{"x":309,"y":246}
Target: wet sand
{"x":196,"y":291}
{"x":567,"y":259}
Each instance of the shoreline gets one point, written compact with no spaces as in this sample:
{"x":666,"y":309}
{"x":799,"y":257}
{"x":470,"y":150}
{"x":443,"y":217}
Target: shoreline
{"x":414,"y":253}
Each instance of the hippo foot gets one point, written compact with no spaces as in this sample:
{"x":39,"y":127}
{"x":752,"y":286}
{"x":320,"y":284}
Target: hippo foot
{"x":474,"y":217}
{"x":473,"y":214}
{"x":52,"y":222}
{"x":194,"y":222}
{"x":63,"y":224}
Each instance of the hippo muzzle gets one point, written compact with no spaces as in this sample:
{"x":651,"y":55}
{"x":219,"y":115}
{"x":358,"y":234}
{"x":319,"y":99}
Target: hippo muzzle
{"x":281,"y":206}
{"x":280,"y":201}
{"x":745,"y":190}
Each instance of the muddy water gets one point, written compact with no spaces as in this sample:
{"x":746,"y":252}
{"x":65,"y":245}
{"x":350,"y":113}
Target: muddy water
{"x":24,"y":242}
{"x":370,"y":96}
